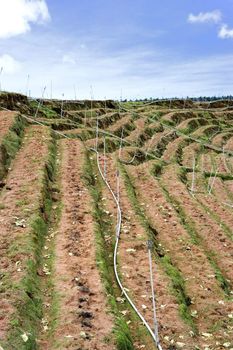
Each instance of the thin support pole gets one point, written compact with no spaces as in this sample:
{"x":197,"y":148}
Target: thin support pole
{"x":212,"y":170}
{"x":105,"y":160}
{"x":202,"y":163}
{"x":193,"y":176}
{"x":92,"y":97}
{"x":75,"y":95}
{"x":118,"y":186}
{"x":105,"y":104}
{"x":62,"y":105}
{"x":156,"y":331}
{"x":149,"y":145}
{"x":212,"y":185}
{"x":120,"y":149}
{"x":97,"y":134}
{"x":184,"y":103}
{"x":225,"y":160}
{"x":120,"y":101}
{"x":40,"y":102}
{"x":85,"y":117}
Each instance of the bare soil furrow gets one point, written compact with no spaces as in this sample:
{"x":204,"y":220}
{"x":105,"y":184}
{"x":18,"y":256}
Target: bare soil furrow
{"x":199,"y":275}
{"x":133,"y":247}
{"x":20,"y":241}
{"x":83,"y":320}
{"x":6,"y":120}
{"x":212,"y":235}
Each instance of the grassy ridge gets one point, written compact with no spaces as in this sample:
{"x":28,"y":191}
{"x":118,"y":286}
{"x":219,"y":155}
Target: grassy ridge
{"x":11,"y":144}
{"x":103,"y":228}
{"x":177,"y":281}
{"x":28,"y":292}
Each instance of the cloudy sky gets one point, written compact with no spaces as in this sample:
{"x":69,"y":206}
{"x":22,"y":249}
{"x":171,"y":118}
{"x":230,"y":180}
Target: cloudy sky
{"x":109,"y":48}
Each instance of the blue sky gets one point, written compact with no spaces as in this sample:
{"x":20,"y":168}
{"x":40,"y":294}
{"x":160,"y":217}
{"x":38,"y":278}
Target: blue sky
{"x":133,"y":48}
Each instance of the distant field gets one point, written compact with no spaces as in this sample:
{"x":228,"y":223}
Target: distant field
{"x":169,"y":165}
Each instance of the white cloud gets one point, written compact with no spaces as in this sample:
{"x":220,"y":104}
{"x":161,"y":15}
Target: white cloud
{"x":9,"y":64}
{"x":17,"y":15}
{"x":137,"y":71}
{"x":69,"y":59}
{"x":225,"y":32}
{"x":206,"y":17}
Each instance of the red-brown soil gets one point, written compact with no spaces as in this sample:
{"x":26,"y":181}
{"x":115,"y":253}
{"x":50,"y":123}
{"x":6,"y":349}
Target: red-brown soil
{"x":84,"y":320}
{"x":133,"y":246}
{"x":193,"y":231}
{"x":20,"y":200}
{"x":198,"y":273}
{"x":6,"y":121}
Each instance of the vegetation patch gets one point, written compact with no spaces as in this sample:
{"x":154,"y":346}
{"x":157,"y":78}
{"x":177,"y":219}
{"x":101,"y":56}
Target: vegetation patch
{"x":177,"y":281}
{"x":26,"y":321}
{"x":105,"y":257}
{"x":11,"y":144}
{"x":196,"y":239}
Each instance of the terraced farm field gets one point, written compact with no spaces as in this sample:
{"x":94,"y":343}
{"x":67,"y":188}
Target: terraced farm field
{"x":84,"y":186}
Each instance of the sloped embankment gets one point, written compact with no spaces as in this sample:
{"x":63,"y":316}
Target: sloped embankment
{"x":25,"y":209}
{"x":83,"y":319}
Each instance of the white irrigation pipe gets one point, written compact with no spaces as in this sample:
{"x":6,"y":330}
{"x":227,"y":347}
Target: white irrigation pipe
{"x":228,"y":204}
{"x":37,"y":122}
{"x":163,"y":136}
{"x":118,"y":231}
{"x":150,"y":246}
{"x":132,"y":159}
{"x":100,"y":131}
{"x":207,"y":145}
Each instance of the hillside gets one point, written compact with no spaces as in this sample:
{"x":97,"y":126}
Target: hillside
{"x":84,"y":186}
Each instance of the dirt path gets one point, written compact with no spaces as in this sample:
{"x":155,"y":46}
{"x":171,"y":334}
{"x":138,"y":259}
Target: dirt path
{"x":20,"y":200}
{"x":171,"y":149}
{"x":139,"y":127}
{"x":6,"y":120}
{"x":119,"y":124}
{"x":83,"y":320}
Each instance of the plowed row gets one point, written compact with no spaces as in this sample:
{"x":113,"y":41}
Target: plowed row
{"x":176,"y":189}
